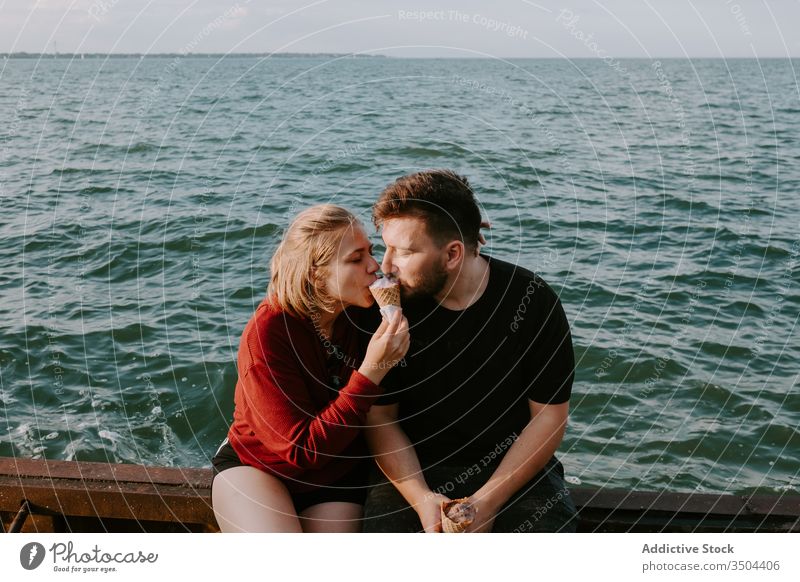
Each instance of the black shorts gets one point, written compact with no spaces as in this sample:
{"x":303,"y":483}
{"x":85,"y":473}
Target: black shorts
{"x":351,"y":488}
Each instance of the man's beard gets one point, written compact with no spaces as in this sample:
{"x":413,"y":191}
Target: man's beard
{"x":430,"y":284}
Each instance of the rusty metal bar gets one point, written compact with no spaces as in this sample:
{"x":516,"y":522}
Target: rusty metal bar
{"x":107,"y":495}
{"x":88,"y":496}
{"x":19,"y":519}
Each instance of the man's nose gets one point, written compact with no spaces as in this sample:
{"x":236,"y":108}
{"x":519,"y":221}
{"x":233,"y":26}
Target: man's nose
{"x":386,"y":263}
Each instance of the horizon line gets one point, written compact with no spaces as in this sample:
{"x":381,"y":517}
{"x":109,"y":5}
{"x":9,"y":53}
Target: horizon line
{"x":26,"y":54}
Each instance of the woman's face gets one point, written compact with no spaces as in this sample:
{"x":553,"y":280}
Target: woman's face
{"x":351,"y":273}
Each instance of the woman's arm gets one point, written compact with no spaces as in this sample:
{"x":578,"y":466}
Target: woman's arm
{"x":279,"y":405}
{"x":284,"y":417}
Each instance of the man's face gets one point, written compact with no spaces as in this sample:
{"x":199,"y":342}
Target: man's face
{"x":414,"y":258}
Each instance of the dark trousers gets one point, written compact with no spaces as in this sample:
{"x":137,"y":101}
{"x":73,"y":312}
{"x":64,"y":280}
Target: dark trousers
{"x":542,"y":505}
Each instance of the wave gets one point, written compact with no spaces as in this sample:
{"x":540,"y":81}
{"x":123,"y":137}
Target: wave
{"x":90,"y":171}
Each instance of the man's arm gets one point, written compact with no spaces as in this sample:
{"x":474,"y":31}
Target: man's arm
{"x":398,"y":460}
{"x":525,"y":458}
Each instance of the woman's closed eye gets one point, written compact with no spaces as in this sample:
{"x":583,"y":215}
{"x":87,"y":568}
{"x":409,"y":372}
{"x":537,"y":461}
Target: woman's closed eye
{"x":359,"y":257}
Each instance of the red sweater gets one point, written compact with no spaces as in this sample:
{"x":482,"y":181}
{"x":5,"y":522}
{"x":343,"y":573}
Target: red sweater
{"x":289,"y":418}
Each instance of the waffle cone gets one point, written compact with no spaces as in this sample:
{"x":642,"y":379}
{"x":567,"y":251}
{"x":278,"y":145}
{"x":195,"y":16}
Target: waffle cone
{"x":451,"y":526}
{"x":386,"y":295}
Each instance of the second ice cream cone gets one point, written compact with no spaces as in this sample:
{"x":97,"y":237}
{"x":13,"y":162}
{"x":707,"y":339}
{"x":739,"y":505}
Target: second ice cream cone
{"x":457,"y":515}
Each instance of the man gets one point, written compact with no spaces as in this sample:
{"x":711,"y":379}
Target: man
{"x":482,"y":403}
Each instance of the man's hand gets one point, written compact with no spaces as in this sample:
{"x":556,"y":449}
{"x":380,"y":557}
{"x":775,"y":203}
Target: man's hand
{"x":485,"y":514}
{"x":523,"y":460}
{"x":429,"y":511}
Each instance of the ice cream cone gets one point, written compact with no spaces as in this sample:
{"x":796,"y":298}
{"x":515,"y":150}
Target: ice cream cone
{"x":457,"y":515}
{"x":387,"y":293}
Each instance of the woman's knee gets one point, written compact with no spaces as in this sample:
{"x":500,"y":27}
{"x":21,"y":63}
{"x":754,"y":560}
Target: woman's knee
{"x":247,"y":499}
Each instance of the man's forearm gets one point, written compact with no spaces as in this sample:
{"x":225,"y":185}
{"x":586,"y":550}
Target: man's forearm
{"x":398,"y":460}
{"x":524,"y":459}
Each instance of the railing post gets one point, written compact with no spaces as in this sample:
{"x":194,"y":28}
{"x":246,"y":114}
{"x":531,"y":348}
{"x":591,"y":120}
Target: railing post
{"x":19,"y":519}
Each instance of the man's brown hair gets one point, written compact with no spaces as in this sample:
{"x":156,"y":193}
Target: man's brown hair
{"x":442,"y":199}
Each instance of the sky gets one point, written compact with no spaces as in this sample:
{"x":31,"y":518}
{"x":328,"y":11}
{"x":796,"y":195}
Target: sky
{"x":466,"y":28}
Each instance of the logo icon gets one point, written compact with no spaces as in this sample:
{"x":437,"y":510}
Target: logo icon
{"x":31,"y":555}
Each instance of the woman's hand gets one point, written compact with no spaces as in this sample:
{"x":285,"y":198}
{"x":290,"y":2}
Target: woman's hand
{"x":387,"y":347}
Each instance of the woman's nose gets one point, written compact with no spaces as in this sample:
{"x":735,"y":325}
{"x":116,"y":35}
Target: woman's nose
{"x":373,"y":265}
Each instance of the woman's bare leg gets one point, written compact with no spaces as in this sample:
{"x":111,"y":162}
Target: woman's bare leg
{"x":246,"y":499}
{"x":332,"y":517}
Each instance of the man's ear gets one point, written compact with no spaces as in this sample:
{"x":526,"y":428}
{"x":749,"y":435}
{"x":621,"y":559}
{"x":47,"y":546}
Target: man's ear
{"x":455,"y":254}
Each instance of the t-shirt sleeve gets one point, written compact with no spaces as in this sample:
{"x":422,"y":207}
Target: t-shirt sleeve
{"x":285,"y":419}
{"x":549,"y":361}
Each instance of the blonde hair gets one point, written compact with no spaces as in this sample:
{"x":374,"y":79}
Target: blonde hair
{"x":309,"y":245}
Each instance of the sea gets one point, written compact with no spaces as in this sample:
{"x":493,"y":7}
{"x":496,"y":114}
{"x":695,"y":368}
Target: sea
{"x":142,"y":198}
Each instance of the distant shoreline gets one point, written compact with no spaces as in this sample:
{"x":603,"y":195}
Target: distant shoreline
{"x":25,"y":55}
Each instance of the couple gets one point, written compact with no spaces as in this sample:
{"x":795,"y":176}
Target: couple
{"x":465,"y":393}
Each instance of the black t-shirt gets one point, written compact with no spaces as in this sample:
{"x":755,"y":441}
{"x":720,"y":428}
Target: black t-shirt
{"x":464,"y":390}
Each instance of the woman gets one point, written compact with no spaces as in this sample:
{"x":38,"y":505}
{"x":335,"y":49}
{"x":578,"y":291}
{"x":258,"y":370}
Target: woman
{"x":294,"y":459}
